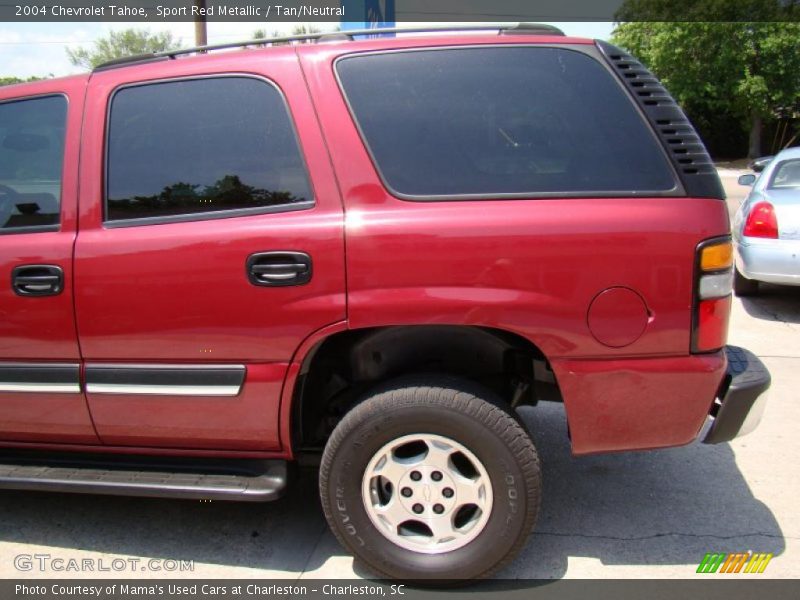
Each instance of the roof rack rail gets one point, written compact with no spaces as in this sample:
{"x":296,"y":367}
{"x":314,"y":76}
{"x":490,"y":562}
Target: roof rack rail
{"x":531,"y":29}
{"x":330,"y":36}
{"x":124,"y":61}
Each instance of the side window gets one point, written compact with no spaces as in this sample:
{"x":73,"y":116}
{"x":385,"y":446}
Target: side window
{"x":491,"y":122}
{"x":787,"y":175}
{"x":31,"y":163}
{"x":191,"y":149}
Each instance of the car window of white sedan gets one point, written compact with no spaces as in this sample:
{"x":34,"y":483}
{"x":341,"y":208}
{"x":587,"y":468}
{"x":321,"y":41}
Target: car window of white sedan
{"x":786,"y":175}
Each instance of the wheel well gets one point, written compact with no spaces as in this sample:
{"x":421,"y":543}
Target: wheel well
{"x":341,"y":368}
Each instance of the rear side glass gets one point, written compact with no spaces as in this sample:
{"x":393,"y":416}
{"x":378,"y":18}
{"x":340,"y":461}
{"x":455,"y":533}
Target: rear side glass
{"x":202,"y":148}
{"x":786,"y":175}
{"x":31,"y":163}
{"x":497,"y":122}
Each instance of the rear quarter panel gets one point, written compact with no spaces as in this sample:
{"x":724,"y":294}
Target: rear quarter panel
{"x":533,"y":267}
{"x":529,"y":266}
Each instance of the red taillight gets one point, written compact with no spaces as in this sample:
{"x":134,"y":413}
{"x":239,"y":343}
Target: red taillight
{"x":761,"y":222}
{"x":712,"y":294}
{"x":711,"y":332}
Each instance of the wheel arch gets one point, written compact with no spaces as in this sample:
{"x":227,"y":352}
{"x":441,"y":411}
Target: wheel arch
{"x":337,"y":368}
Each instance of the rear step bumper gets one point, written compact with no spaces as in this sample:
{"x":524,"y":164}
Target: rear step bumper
{"x":742,"y":398}
{"x":210,"y":479}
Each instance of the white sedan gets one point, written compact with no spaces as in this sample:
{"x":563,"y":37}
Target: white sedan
{"x":766,"y":228}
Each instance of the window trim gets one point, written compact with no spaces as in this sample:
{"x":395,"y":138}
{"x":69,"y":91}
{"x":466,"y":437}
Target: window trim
{"x":32,"y":228}
{"x":591,"y":52}
{"x":208,"y":215}
{"x":54,"y":226}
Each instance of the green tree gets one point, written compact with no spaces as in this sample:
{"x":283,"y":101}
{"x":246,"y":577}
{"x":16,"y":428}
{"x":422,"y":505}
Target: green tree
{"x":305,"y":29}
{"x":709,"y":10}
{"x":302,"y":29}
{"x":13,"y":80}
{"x":119,"y":44}
{"x":749,"y":71}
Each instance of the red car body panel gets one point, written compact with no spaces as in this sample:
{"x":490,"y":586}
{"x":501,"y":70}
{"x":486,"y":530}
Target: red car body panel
{"x":43,"y":329}
{"x":637,"y":404}
{"x":248,"y":421}
{"x":533,"y":267}
{"x":176,"y":293}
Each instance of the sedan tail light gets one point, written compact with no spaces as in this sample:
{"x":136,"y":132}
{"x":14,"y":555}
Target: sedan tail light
{"x":761,"y":222}
{"x":712,"y":295}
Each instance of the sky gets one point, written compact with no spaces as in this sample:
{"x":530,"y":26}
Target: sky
{"x":38,"y":49}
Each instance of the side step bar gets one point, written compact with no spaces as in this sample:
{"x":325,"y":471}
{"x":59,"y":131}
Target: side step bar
{"x":201,"y":479}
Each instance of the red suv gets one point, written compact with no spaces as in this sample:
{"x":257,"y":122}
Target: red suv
{"x":371,"y":252}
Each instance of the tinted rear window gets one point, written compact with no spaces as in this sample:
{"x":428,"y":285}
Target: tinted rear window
{"x":500,"y":121}
{"x":31,"y":162}
{"x":202,"y":146}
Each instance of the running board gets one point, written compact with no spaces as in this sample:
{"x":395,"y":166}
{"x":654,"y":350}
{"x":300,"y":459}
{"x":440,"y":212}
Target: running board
{"x":158,"y":477}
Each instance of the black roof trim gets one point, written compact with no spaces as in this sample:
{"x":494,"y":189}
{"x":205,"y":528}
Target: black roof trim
{"x":129,"y":60}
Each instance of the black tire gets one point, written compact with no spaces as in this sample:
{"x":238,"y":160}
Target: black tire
{"x":463,"y":412}
{"x":742,"y":286}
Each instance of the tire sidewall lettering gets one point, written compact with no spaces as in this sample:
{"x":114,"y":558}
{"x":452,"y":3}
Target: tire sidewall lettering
{"x":340,"y":502}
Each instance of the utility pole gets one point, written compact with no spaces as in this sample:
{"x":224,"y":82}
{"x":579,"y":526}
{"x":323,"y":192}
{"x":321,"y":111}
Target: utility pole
{"x":200,"y":29}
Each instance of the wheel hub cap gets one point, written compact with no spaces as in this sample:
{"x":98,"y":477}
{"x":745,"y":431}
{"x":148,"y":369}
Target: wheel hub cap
{"x":427,"y":493}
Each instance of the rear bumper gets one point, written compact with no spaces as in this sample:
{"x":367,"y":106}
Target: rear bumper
{"x":659,"y":402}
{"x":772,"y":261}
{"x":638,"y":403}
{"x":741,"y":399}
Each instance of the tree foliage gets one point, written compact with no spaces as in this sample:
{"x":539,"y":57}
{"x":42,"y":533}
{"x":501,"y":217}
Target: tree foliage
{"x":13,"y":80}
{"x":737,"y":71}
{"x":709,"y":10}
{"x":119,"y":44}
{"x":305,"y":29}
{"x":302,"y":29}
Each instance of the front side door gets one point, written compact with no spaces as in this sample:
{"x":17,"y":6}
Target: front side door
{"x":210,"y":247}
{"x":40,"y":394}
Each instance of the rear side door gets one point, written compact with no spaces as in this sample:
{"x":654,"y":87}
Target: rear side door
{"x":40,"y":394}
{"x":210,"y":247}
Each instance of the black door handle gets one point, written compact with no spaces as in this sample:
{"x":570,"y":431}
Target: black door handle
{"x":37,"y":280}
{"x":275,"y":269}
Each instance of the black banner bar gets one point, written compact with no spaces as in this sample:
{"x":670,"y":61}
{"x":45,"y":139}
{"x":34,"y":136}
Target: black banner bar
{"x":432,"y":11}
{"x":711,"y":588}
